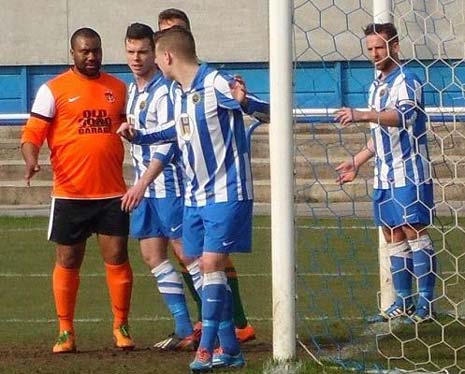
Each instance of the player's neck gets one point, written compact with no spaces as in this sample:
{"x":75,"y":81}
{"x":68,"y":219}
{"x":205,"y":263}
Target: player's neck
{"x":186,"y":74}
{"x":143,"y":80}
{"x":392,"y":66}
{"x":85,"y":76}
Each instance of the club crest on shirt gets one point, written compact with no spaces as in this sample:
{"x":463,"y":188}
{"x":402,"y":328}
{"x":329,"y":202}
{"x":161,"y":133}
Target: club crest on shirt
{"x":184,"y":126}
{"x":383,"y":92}
{"x":142,"y":105}
{"x":109,"y":96}
{"x":196,"y":98}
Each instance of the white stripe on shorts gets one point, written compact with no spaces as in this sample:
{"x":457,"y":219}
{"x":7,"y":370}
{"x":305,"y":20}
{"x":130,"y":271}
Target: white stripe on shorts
{"x":50,"y":222}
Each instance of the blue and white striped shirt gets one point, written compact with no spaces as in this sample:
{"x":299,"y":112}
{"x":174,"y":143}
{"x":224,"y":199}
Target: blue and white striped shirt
{"x":401,"y":153}
{"x":210,"y":131}
{"x":151,"y":108}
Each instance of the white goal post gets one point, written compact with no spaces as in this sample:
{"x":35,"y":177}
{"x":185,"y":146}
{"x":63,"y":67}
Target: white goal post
{"x":282,"y":179}
{"x":382,"y":14}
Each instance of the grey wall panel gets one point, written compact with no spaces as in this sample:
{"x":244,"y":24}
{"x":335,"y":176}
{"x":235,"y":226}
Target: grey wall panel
{"x":38,"y":31}
{"x":33,"y":32}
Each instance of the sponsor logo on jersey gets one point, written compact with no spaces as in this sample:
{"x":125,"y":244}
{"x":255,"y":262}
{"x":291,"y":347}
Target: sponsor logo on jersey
{"x":95,"y":121}
{"x":184,"y":124}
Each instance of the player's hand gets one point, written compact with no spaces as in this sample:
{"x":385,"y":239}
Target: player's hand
{"x":132,"y":198}
{"x":126,"y":130}
{"x":347,"y":172}
{"x":347,"y":116}
{"x":238,"y":89}
{"x":32,"y":168}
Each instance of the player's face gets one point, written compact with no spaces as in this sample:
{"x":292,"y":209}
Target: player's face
{"x":383,"y":54}
{"x":87,"y":55}
{"x":168,"y":23}
{"x":140,"y":56}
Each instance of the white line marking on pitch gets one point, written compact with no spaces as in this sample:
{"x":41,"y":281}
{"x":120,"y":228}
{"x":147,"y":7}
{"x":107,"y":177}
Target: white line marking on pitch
{"x":143,"y":275}
{"x":309,"y":227}
{"x":251,"y":275}
{"x":159,"y":319}
{"x":268,"y":228}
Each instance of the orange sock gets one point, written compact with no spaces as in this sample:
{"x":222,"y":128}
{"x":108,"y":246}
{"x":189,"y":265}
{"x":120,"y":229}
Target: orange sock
{"x":65,"y":287}
{"x":119,"y":281}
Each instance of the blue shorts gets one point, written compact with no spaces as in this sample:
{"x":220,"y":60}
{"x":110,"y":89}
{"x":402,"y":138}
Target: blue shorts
{"x":219,"y":228}
{"x":155,"y":218}
{"x":399,"y":206}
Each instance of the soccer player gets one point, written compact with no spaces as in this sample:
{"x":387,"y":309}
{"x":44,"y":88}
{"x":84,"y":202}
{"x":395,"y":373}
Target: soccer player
{"x":218,"y":202}
{"x":78,"y":112}
{"x":173,"y":17}
{"x":244,"y":331}
{"x":156,"y":199}
{"x":403,"y":189}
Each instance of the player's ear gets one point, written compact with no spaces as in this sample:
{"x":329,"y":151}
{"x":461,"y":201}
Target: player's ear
{"x":168,"y":57}
{"x":395,"y":47}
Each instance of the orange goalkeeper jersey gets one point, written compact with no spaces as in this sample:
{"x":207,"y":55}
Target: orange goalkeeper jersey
{"x":79,"y":117}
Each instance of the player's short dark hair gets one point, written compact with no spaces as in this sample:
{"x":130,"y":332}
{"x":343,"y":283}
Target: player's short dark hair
{"x":387,"y":29}
{"x":139,"y":31}
{"x":84,"y":32}
{"x":178,"y":40}
{"x":173,"y":13}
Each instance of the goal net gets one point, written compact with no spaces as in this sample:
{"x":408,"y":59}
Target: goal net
{"x":338,"y":254}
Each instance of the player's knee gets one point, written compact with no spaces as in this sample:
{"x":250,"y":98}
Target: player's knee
{"x":152,"y":260}
{"x":413,"y":232}
{"x":393,"y":234}
{"x":70,"y":257}
{"x":177,"y":247}
{"x":212,"y":262}
{"x":69,"y":262}
{"x":116,"y":257}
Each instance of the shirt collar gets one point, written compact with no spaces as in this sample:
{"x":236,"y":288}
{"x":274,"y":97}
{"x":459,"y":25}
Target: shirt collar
{"x":197,"y":82}
{"x":390,"y":76}
{"x":152,"y":82}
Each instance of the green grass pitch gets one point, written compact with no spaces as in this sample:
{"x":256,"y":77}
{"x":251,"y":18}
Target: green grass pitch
{"x":336,"y":285}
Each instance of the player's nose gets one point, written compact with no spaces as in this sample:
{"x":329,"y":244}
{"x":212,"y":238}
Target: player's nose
{"x":92,"y":56}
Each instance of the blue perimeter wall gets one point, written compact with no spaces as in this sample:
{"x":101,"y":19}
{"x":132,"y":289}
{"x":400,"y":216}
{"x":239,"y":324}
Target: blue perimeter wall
{"x":317,"y":84}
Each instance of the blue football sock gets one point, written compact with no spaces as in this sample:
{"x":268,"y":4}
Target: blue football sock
{"x":424,"y":268}
{"x":171,"y":289}
{"x":213,"y":297}
{"x":401,"y":270}
{"x":227,"y":330}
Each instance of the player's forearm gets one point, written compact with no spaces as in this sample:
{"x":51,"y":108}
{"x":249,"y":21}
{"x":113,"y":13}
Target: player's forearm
{"x":257,"y":108}
{"x":143,"y":137}
{"x":388,"y":118}
{"x":30,"y":153}
{"x":154,"y":169}
{"x":365,"y":154}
